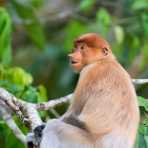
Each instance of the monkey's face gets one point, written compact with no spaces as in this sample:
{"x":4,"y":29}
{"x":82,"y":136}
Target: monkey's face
{"x":88,"y":49}
{"x":76,"y":58}
{"x":82,"y":55}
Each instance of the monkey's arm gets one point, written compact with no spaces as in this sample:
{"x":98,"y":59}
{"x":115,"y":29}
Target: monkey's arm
{"x":100,"y":116}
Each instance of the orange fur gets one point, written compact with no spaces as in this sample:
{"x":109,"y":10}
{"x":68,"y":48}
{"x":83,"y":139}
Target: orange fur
{"x":104,"y":109}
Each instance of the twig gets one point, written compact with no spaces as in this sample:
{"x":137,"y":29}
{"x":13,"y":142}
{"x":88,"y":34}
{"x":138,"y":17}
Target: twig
{"x":140,"y":81}
{"x":54,"y":112}
{"x":52,"y":103}
{"x":7,"y":117}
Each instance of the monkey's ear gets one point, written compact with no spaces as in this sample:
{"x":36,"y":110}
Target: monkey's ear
{"x":105,"y":51}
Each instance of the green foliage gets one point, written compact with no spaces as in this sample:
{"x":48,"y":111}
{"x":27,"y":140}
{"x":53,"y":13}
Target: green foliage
{"x":5,"y":37}
{"x":72,"y":31}
{"x":19,"y":82}
{"x":138,"y":5}
{"x":142,"y":137}
{"x":127,"y":32}
{"x":119,"y":34}
{"x":37,"y":3}
{"x":31,"y":23}
{"x":142,"y":141}
{"x":143,"y":103}
{"x":42,"y":93}
{"x":144,"y":18}
{"x":18,"y":76}
{"x":86,"y":5}
{"x":7,"y":139}
{"x":103,"y":21}
{"x":14,"y":79}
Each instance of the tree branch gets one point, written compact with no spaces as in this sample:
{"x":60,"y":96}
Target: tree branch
{"x":24,"y":110}
{"x":5,"y":113}
{"x":27,"y":112}
{"x":52,"y":103}
{"x":140,"y":81}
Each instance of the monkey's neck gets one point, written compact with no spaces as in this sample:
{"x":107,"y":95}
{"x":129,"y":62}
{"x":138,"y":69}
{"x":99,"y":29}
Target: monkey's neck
{"x":96,"y":63}
{"x":100,"y":60}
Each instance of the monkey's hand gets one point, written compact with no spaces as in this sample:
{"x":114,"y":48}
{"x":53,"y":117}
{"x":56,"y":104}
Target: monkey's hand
{"x":34,"y":138}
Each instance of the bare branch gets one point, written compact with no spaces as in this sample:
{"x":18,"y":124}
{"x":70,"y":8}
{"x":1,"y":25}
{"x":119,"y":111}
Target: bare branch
{"x":52,"y":103}
{"x":7,"y":117}
{"x":33,"y":116}
{"x":140,"y":81}
{"x":25,"y":111}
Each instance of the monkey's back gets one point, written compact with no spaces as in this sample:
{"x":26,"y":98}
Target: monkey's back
{"x":110,"y":110}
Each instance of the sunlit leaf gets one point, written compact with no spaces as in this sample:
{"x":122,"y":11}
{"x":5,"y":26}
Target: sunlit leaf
{"x":140,"y":4}
{"x":42,"y":93}
{"x":19,"y":76}
{"x":119,"y":34}
{"x":103,"y":21}
{"x":85,"y":5}
{"x":5,"y":37}
{"x":103,"y":17}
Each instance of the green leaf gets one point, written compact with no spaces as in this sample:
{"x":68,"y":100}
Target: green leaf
{"x":143,"y":102}
{"x":103,"y":17}
{"x":144,"y":18}
{"x":30,"y":94}
{"x":73,"y":30}
{"x":143,"y":129}
{"x":37,"y":3}
{"x":85,"y":5}
{"x":42,"y":92}
{"x":103,"y":20}
{"x":144,"y":50}
{"x":2,"y":122}
{"x":119,"y":34}
{"x":5,"y":37}
{"x":19,"y":76}
{"x":140,"y":4}
{"x":146,"y":140}
{"x":133,"y":47}
{"x":31,"y":23}
{"x":141,"y":143}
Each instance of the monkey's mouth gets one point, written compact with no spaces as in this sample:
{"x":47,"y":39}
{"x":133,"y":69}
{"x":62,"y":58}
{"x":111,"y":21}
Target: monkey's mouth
{"x":73,"y":62}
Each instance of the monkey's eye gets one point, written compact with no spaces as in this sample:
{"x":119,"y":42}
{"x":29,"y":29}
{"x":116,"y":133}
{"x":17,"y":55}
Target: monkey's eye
{"x":82,"y":47}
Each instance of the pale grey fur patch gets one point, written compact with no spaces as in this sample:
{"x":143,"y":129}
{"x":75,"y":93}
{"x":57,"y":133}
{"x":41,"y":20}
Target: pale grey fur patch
{"x":115,"y":140}
{"x":53,"y":139}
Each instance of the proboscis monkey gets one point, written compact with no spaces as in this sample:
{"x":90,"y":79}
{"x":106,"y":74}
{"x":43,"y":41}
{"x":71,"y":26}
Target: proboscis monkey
{"x":104,"y":111}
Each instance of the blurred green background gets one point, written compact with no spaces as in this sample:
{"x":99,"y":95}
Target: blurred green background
{"x":37,"y":35}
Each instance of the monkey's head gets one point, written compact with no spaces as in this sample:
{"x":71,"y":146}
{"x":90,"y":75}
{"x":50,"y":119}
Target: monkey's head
{"x":88,"y":48}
